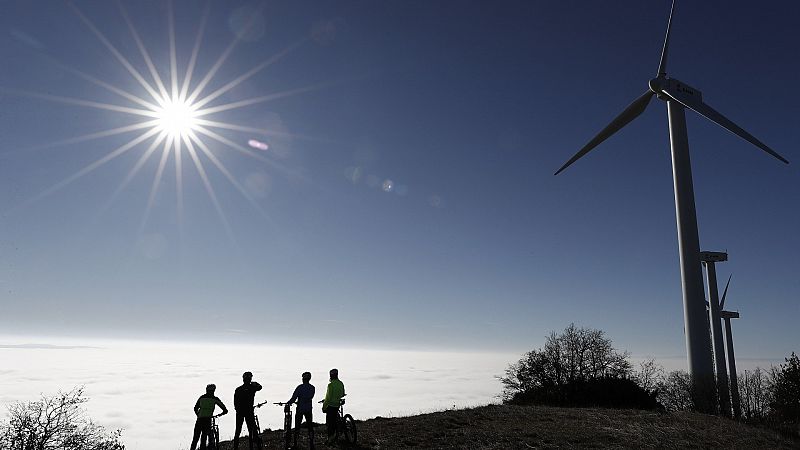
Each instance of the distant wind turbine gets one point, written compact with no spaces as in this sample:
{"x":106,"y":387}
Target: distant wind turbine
{"x":727,"y":316}
{"x":709,"y":260}
{"x":678,"y":96}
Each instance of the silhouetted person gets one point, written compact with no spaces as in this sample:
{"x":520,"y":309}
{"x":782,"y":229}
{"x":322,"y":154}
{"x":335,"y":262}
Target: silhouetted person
{"x":204,"y":410}
{"x":303,"y":394}
{"x":243,"y":399}
{"x":333,"y":399}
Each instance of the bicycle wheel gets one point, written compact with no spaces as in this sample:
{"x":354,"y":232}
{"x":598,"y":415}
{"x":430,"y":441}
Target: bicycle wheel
{"x":287,"y":431}
{"x":215,"y":438}
{"x":257,"y":438}
{"x":350,"y":434}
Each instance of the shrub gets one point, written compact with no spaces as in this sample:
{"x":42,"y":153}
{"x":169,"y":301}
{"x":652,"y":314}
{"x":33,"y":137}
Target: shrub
{"x":578,"y":367}
{"x":785,"y":404}
{"x":56,"y":422}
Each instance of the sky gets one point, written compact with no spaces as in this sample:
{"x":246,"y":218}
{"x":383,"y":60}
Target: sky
{"x":406,"y":197}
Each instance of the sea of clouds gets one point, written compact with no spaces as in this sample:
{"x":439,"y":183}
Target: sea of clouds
{"x":149,"y":388}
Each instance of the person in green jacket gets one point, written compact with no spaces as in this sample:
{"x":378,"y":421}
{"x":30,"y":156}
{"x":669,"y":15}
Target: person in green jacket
{"x":333,"y":399}
{"x":204,"y":410}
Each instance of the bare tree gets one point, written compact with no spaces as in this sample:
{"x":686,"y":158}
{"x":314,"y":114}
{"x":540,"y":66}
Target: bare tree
{"x":675,"y":391}
{"x":55,"y":423}
{"x":649,"y":375}
{"x":575,"y":355}
{"x":755,"y":392}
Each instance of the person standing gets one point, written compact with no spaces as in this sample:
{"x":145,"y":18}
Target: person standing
{"x":333,"y":399}
{"x":304,"y":396}
{"x":243,"y":399}
{"x":204,"y":410}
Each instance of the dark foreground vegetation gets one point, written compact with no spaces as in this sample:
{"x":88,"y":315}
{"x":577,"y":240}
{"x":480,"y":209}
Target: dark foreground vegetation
{"x":526,"y":427}
{"x":55,"y":423}
{"x":580,"y":367}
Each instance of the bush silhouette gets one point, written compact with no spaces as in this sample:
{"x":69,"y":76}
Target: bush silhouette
{"x":578,"y":367}
{"x":56,"y":422}
{"x":600,"y":392}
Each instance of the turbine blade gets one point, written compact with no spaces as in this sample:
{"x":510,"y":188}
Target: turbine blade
{"x":724,"y":293}
{"x":713,"y":115}
{"x":625,"y":117}
{"x":662,"y":65}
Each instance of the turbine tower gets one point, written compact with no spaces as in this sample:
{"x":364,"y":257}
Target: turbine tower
{"x":678,"y":96}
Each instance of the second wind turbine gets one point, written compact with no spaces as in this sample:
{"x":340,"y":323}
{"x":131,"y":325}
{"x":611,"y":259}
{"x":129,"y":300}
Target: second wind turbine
{"x":678,"y":96}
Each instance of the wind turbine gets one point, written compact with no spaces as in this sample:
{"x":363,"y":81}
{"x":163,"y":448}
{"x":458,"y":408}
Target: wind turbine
{"x":727,"y":316}
{"x":709,"y":259}
{"x":678,"y":95}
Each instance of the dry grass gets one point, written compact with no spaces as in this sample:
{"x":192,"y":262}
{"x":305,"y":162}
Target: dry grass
{"x":526,"y":427}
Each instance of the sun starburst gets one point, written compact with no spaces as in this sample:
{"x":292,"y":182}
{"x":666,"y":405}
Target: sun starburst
{"x":175,"y":118}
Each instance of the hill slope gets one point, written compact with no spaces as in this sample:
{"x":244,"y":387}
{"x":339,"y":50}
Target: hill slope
{"x":525,"y":427}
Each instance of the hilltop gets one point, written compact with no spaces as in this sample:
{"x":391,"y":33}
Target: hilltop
{"x":526,"y":427}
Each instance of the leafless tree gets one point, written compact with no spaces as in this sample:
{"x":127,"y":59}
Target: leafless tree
{"x":675,"y":391}
{"x":575,"y":355}
{"x":755,"y":392}
{"x":55,"y":423}
{"x":649,"y":375}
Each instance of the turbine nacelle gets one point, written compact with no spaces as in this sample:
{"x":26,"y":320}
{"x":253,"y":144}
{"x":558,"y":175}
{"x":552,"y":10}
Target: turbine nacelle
{"x":669,"y":88}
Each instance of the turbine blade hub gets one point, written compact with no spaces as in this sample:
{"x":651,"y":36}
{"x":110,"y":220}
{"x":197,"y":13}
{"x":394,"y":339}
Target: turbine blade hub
{"x":656,"y":85}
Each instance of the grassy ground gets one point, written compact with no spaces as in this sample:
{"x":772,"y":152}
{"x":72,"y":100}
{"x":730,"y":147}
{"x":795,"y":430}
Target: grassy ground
{"x":526,"y":427}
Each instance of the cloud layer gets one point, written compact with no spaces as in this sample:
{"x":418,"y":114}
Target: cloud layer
{"x":149,"y":389}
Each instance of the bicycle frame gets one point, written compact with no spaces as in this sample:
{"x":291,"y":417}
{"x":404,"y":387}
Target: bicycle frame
{"x":255,"y":416}
{"x":287,"y":424}
{"x":213,"y":439}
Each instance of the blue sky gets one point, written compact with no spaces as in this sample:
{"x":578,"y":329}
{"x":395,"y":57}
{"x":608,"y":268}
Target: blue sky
{"x":465,"y":109}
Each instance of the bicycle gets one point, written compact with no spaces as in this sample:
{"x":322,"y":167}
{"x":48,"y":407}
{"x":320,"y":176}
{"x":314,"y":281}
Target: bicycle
{"x":214,"y":437}
{"x":345,"y":426}
{"x":287,"y":424}
{"x":255,"y":437}
{"x":255,"y":416}
{"x":257,"y":432}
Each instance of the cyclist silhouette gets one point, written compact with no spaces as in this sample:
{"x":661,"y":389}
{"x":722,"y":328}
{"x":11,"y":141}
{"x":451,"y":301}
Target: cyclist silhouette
{"x":243,"y":399}
{"x":333,"y":399}
{"x":303,"y":394}
{"x":204,"y":410}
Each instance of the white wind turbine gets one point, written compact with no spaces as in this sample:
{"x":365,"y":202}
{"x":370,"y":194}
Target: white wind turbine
{"x":678,"y":96}
{"x":732,"y":376}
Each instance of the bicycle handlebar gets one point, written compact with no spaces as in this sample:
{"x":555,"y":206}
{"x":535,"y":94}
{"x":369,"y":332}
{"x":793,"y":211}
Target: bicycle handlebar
{"x":261,"y":404}
{"x":322,"y":401}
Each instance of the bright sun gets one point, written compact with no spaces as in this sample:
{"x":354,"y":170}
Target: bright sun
{"x":176,"y":117}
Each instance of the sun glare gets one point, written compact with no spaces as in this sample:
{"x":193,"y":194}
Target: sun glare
{"x":180,"y":116}
{"x":177,"y":118}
